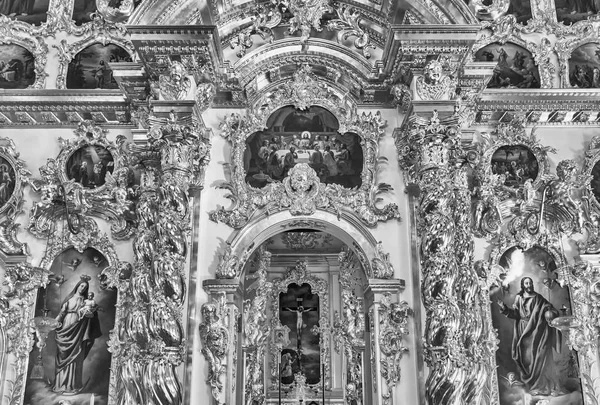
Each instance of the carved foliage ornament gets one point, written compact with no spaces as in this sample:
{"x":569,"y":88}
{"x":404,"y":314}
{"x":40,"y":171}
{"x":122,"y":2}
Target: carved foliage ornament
{"x":492,"y":193}
{"x":215,"y":339}
{"x":348,"y":23}
{"x":75,"y":179}
{"x":307,"y":15}
{"x":13,"y":178}
{"x":104,"y":19}
{"x":301,"y":192}
{"x":25,"y":35}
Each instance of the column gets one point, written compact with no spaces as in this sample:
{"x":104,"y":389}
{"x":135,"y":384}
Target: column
{"x":387,"y":326}
{"x":456,"y":332}
{"x":153,"y":328}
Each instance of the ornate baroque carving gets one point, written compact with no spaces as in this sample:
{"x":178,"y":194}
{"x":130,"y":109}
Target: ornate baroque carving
{"x":14,"y":178}
{"x":301,"y":192}
{"x":435,"y":85}
{"x":456,"y":332}
{"x":348,"y":23}
{"x":109,"y":200}
{"x":215,"y":340}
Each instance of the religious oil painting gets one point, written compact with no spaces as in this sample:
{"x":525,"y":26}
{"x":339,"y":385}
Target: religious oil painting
{"x":584,"y":66}
{"x":70,"y":362}
{"x":535,"y":365}
{"x":90,"y":68}
{"x":88,"y":166}
{"x":84,"y":10}
{"x":8,"y":180}
{"x":516,"y":163}
{"x":595,"y":181}
{"x":29,"y":11}
{"x":516,"y":68}
{"x":299,"y":311}
{"x":310,"y":137}
{"x":17,"y":67}
{"x":571,"y":11}
{"x":521,"y":9}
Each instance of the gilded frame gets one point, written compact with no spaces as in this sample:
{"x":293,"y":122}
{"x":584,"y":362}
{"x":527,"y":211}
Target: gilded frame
{"x":9,"y":244}
{"x":109,"y":201}
{"x":299,"y":274}
{"x":105,"y":18}
{"x":20,"y":300}
{"x":513,"y":133}
{"x":551,"y":244}
{"x":13,"y":32}
{"x":303,"y":91}
{"x":564,"y":50}
{"x":66,"y":51}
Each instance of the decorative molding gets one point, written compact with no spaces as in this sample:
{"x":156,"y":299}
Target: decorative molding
{"x":348,"y":23}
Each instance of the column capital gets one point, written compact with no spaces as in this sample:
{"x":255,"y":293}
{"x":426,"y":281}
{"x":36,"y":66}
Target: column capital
{"x":227,"y":286}
{"x":376,"y":288}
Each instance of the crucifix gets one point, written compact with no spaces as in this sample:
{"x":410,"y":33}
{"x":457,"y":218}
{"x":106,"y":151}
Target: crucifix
{"x":299,"y":310}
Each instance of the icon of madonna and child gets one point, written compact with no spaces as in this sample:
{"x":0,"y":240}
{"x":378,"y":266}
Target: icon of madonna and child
{"x":72,"y":365}
{"x":535,"y":365}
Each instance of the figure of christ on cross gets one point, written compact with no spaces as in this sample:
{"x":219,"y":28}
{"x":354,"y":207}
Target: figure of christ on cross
{"x":299,"y":310}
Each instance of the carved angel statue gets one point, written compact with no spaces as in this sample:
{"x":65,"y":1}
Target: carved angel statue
{"x":435,"y":85}
{"x":227,"y":267}
{"x":215,"y":340}
{"x":117,"y":184}
{"x":562,"y":191}
{"x":382,"y":266}
{"x":256,"y":328}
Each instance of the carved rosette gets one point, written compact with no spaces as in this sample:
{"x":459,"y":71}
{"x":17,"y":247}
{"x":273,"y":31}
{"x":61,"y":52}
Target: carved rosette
{"x":301,"y":193}
{"x":111,"y":200}
{"x":155,"y":327}
{"x":455,"y":306}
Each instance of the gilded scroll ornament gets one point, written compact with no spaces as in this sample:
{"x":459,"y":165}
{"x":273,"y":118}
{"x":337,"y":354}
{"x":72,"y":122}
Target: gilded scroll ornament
{"x":348,"y":23}
{"x":215,"y":340}
{"x":13,"y":178}
{"x":307,"y":15}
{"x":91,"y":176}
{"x":302,"y":192}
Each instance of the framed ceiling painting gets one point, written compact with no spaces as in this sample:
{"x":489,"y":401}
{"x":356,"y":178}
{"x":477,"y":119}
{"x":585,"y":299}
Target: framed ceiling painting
{"x":72,"y":315}
{"x":301,"y":148}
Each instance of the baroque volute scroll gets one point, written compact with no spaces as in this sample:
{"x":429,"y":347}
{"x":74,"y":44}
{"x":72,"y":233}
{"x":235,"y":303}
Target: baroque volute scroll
{"x":303,"y":190}
{"x":90,"y":177}
{"x":13,"y":178}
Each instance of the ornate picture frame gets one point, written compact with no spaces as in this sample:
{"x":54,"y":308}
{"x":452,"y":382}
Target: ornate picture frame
{"x":301,"y":191}
{"x":495,"y":276}
{"x":105,"y":18}
{"x":108,"y":35}
{"x":15,"y":33}
{"x":20,"y":296}
{"x":110,"y":200}
{"x":12,"y":170}
{"x":300,"y":275}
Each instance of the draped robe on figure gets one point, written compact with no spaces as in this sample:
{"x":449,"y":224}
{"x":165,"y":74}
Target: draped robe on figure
{"x":74,"y":339}
{"x":533,"y":341}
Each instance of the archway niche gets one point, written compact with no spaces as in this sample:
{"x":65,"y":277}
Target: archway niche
{"x":305,"y":294}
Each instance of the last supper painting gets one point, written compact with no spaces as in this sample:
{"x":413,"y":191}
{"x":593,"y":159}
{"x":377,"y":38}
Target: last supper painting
{"x":309,"y":137}
{"x":534,"y":363}
{"x":70,"y":362}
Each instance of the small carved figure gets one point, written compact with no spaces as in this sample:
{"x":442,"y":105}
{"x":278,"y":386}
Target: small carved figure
{"x":215,"y":340}
{"x":175,"y":85}
{"x":434,"y":85}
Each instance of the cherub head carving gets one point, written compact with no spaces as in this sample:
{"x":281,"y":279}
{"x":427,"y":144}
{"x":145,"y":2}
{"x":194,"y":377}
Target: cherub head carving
{"x":434,"y":72}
